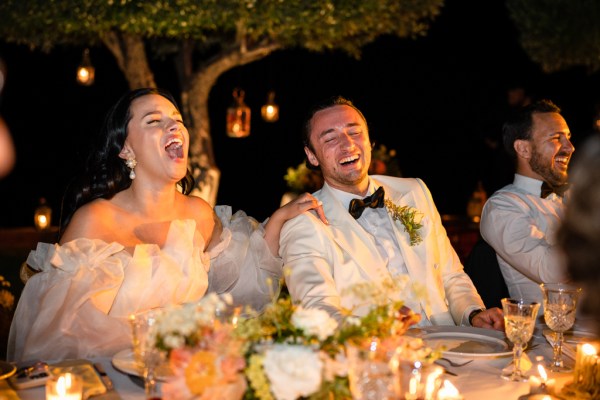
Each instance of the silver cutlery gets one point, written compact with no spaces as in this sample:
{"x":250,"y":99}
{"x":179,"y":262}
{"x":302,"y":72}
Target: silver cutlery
{"x":454,"y":363}
{"x":104,"y":376}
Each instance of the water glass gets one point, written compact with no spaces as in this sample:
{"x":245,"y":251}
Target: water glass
{"x":372,"y":373}
{"x":419,"y":380}
{"x":560,"y":305}
{"x":147,"y":357}
{"x":519,"y":321}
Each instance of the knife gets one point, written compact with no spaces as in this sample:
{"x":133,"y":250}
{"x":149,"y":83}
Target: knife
{"x":104,"y":376}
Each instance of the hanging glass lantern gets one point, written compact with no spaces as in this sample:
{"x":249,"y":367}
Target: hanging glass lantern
{"x":238,"y":116}
{"x":85,"y":71}
{"x":270,"y":111}
{"x":42,"y":217}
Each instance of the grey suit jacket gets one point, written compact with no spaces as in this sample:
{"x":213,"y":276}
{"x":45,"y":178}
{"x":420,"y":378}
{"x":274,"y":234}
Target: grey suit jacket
{"x":320,"y":261}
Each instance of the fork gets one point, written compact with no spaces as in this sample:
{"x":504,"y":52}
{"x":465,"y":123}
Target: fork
{"x":454,"y":363}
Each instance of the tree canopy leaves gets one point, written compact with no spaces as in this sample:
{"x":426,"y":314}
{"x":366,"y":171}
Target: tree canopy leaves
{"x":559,"y":34}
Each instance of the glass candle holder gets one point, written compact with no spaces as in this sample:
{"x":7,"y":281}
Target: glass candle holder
{"x":66,"y":386}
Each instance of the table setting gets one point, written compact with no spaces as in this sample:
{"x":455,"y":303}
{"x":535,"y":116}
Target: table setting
{"x":213,"y":349}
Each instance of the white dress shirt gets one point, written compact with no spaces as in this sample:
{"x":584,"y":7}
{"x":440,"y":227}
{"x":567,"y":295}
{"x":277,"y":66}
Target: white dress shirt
{"x":376,"y":223}
{"x":521,"y":227}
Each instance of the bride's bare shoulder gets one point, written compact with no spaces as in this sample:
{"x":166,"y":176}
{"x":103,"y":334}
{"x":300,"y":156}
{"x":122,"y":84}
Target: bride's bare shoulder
{"x":92,"y":220}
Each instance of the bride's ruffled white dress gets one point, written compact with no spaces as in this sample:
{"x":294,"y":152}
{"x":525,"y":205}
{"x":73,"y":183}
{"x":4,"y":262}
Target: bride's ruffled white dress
{"x":78,"y":306}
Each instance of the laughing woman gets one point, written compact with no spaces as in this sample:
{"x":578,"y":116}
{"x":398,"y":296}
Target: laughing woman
{"x":135,"y":240}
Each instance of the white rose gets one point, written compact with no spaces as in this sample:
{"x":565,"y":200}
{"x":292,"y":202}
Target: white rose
{"x":293,"y":371}
{"x":314,"y":322}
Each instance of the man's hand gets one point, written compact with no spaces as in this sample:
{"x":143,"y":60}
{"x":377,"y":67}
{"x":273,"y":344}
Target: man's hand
{"x":490,"y":319}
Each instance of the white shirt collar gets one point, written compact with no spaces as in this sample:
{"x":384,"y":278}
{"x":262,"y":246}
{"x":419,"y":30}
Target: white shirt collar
{"x":345,"y":198}
{"x":530,"y":185}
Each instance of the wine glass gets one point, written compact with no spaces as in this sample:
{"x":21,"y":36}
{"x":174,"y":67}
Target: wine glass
{"x":146,"y":356}
{"x":519,"y":321}
{"x":560,"y":304}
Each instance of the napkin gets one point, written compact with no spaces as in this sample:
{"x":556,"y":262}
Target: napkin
{"x":569,"y":349}
{"x":92,"y":384}
{"x":526,"y":364}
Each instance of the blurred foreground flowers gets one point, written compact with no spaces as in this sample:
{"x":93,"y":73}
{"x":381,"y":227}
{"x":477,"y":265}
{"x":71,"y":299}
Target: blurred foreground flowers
{"x":285,"y":353}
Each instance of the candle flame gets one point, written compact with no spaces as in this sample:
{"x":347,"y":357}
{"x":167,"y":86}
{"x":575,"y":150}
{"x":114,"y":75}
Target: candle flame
{"x":412,"y":385}
{"x":588,"y":349}
{"x":448,"y":389}
{"x":543,"y":373}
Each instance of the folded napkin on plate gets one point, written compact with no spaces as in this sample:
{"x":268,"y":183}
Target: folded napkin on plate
{"x":568,"y":349}
{"x":92,"y":384}
{"x":525,"y":364}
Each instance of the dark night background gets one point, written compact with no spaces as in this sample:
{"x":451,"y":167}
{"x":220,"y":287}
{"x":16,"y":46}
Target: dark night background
{"x":432,"y":99}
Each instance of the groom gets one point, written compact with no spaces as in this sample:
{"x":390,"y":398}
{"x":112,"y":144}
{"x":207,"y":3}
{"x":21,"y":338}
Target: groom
{"x":395,"y":232}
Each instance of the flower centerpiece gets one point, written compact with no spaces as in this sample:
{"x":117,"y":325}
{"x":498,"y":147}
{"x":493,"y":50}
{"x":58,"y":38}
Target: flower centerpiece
{"x":7,"y":299}
{"x":7,"y":302}
{"x":285,"y":353}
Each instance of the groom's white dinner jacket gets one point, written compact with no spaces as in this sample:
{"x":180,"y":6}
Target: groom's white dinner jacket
{"x":321,"y":260}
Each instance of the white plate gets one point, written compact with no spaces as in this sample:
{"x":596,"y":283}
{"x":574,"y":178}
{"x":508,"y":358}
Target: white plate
{"x":465,"y":341}
{"x":124,"y":362}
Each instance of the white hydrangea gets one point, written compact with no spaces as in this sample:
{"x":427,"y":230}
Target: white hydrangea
{"x":314,"y":322}
{"x":294,"y":371}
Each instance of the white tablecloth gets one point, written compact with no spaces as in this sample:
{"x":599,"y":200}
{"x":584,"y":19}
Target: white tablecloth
{"x":477,"y":380}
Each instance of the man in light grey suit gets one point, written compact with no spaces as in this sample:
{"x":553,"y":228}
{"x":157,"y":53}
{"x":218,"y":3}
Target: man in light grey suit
{"x":323,"y":261}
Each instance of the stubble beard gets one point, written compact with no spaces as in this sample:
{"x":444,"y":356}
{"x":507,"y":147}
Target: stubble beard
{"x":546,"y":170}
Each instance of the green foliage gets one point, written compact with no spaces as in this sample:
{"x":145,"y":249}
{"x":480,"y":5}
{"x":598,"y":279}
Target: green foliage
{"x":314,"y":25}
{"x":559,"y":34}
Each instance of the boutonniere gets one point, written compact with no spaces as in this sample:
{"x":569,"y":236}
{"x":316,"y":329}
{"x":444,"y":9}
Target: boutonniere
{"x":410,"y":217}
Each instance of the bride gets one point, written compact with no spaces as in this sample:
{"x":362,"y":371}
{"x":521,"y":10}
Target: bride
{"x":135,"y":240}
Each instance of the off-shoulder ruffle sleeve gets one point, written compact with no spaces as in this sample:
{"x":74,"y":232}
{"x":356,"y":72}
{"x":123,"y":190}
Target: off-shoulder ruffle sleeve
{"x":78,"y":305}
{"x":63,"y":310}
{"x":241,"y":263}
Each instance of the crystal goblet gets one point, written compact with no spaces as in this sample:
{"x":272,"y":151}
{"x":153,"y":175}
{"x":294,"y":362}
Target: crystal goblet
{"x":560,"y":304}
{"x":147,"y":357}
{"x":519,"y":321}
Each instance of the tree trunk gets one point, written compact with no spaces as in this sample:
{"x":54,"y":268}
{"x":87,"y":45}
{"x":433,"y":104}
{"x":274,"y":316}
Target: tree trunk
{"x":130,"y":53}
{"x":202,"y":158}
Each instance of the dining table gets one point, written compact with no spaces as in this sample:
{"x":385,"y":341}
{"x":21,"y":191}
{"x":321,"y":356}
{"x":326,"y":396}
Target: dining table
{"x":479,"y":379}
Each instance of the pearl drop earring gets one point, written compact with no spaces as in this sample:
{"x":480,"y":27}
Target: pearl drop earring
{"x":131,"y":163}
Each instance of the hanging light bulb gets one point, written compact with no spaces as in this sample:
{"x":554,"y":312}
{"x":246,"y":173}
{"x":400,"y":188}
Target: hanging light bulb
{"x":85,"y":71}
{"x":238,"y":116}
{"x":270,"y":111}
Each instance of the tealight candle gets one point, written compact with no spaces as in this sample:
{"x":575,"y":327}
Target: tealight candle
{"x":541,"y":385}
{"x":66,"y":386}
{"x":448,"y":392}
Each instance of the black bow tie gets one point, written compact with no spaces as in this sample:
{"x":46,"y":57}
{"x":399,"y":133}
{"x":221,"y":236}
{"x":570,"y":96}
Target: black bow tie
{"x":357,"y":206}
{"x":548,"y":188}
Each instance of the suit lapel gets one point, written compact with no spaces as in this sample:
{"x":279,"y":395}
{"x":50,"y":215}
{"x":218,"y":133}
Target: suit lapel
{"x":415,"y":257}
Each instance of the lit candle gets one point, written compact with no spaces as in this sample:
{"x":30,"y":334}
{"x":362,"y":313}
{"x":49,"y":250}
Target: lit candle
{"x":64,"y":387}
{"x":42,"y":221}
{"x":432,"y":383}
{"x":448,"y":392}
{"x":541,"y":385}
{"x":413,"y":387}
{"x":587,"y":367}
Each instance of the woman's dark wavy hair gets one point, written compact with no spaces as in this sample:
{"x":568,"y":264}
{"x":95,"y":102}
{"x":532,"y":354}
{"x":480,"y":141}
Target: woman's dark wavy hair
{"x":105,"y":173}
